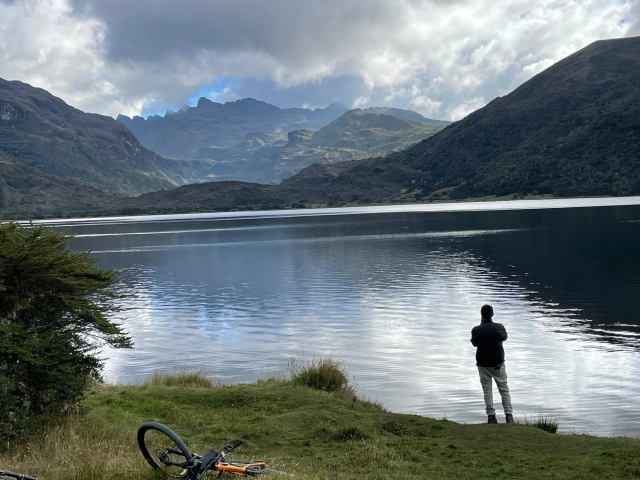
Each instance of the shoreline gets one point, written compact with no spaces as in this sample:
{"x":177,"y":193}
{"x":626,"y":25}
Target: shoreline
{"x":476,"y":205}
{"x":311,"y":433}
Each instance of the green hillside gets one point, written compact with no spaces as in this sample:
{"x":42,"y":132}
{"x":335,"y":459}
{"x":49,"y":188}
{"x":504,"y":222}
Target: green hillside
{"x":312,"y":434}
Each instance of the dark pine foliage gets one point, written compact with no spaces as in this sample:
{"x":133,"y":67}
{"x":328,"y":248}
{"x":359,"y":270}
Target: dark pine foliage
{"x":54,"y":315}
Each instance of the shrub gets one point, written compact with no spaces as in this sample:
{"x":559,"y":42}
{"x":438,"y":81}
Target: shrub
{"x":325,"y":374}
{"x":54,"y":309}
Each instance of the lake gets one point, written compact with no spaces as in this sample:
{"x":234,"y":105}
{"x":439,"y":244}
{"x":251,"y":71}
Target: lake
{"x":393,"y":292}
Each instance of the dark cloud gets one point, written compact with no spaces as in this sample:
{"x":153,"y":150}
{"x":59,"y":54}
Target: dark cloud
{"x":439,"y":57}
{"x":342,"y":89}
{"x":289,"y":30}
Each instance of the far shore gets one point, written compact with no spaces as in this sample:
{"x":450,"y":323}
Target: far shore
{"x":466,"y":205}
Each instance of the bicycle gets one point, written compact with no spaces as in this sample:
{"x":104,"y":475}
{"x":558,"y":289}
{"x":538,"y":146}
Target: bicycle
{"x":19,"y":476}
{"x":172,"y":455}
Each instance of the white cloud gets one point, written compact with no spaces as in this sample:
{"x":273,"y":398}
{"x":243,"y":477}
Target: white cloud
{"x":441,"y":58}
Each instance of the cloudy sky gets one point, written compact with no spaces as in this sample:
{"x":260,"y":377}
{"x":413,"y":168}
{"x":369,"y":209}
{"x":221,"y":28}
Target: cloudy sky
{"x":442,"y":58}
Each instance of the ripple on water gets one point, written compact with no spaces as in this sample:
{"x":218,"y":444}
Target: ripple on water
{"x":396,"y":305}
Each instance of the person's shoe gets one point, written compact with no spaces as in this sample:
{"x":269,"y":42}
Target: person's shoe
{"x":509,"y":417}
{"x":492,"y":419}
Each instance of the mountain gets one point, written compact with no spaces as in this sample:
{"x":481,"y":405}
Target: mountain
{"x":406,"y":114}
{"x":355,"y":135}
{"x":271,"y":157}
{"x":572,"y":130}
{"x":42,"y":131}
{"x":25,"y":190}
{"x":182,"y":134}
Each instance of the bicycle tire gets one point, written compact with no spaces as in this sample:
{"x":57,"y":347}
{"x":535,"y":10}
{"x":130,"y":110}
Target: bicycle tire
{"x":14,"y":475}
{"x":151,"y":429}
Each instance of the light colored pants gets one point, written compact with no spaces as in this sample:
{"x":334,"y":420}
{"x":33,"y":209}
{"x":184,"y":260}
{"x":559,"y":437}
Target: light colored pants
{"x":500,"y":376}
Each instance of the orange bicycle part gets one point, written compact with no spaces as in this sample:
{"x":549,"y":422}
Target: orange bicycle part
{"x":244,"y":469}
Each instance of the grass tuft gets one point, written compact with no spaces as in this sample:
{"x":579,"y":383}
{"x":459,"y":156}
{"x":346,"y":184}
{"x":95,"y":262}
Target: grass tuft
{"x":341,"y":434}
{"x":179,"y":379}
{"x":396,"y":428}
{"x":348,"y":433}
{"x":548,"y":424}
{"x":325,"y":374}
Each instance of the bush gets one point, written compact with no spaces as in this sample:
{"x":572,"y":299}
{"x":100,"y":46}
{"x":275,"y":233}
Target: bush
{"x":324,"y":374}
{"x":54,"y":309}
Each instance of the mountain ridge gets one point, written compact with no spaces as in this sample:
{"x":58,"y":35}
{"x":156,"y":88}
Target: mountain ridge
{"x":45,"y":133}
{"x":267,"y":157}
{"x":573,"y":129}
{"x":181,"y":134}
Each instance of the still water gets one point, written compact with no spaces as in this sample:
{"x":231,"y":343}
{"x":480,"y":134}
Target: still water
{"x":394,"y":293}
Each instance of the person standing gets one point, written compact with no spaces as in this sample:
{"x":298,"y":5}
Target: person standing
{"x":487,"y":338}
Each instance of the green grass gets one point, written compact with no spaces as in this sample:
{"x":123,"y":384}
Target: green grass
{"x":324,"y":374}
{"x":548,"y":424}
{"x":312,"y":433}
{"x":179,"y":379}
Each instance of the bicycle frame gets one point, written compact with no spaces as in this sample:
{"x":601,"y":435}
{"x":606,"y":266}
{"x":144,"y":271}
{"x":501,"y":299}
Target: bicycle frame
{"x":215,"y":461}
{"x":170,"y":453}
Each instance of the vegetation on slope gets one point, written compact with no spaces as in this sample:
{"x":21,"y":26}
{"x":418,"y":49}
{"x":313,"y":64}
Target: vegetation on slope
{"x":572,"y":130}
{"x":25,"y":190}
{"x":42,"y":131}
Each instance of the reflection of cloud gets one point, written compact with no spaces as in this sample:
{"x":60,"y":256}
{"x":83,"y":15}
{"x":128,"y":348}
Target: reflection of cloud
{"x":397,"y":308}
{"x":441,"y":58}
{"x":421,"y":332}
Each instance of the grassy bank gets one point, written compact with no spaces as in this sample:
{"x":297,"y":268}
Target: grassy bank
{"x":313,"y":434}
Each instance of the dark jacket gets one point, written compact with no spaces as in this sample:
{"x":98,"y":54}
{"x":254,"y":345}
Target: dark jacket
{"x":488,"y":338}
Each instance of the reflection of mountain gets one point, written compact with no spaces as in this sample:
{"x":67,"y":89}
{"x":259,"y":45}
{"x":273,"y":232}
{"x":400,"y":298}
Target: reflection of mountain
{"x":394,"y":296}
{"x":584,"y":258}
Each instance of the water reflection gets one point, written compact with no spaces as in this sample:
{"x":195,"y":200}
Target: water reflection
{"x":395,"y":296}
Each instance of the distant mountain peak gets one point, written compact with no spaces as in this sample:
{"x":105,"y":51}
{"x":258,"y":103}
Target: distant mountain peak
{"x":205,"y":102}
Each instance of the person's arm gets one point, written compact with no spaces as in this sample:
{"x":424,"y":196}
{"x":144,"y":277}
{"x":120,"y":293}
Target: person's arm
{"x":473,"y":340}
{"x":503,"y":333}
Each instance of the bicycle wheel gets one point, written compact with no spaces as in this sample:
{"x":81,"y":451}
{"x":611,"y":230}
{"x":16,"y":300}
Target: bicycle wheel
{"x":156,"y":441}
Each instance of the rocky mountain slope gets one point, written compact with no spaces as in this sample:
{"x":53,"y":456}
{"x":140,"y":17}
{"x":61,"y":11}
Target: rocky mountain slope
{"x":182,"y":134}
{"x":573,"y":129}
{"x":270,"y":158}
{"x":355,"y":135}
{"x":407,"y":115}
{"x":25,"y":190}
{"x":43,"y":132}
